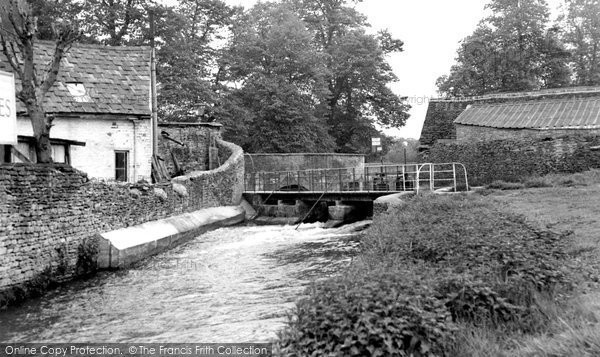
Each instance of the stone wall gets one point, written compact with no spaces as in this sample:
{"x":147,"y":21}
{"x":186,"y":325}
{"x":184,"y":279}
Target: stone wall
{"x":439,"y":121}
{"x":302,"y":161}
{"x":197,"y":139}
{"x":475,"y":133}
{"x":50,"y":215}
{"x":513,"y":159}
{"x":222,"y":186}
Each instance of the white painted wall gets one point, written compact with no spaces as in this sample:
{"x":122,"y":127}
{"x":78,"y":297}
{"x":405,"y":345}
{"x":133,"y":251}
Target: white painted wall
{"x":103,"y":137}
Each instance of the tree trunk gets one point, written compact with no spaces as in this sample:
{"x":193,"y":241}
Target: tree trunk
{"x":41,"y":129}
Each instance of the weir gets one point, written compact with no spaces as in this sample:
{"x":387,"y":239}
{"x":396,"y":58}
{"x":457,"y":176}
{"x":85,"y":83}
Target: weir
{"x":348,"y":193}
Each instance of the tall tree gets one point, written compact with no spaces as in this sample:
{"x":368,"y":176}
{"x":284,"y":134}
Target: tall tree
{"x":358,"y":73}
{"x":188,"y":70}
{"x":510,"y":50}
{"x":116,"y":22}
{"x":18,"y":31}
{"x":582,"y":33}
{"x":282,"y":80}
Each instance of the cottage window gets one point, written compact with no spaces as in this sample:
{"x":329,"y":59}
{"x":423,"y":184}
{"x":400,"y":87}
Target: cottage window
{"x":60,"y":154}
{"x":121,"y":165}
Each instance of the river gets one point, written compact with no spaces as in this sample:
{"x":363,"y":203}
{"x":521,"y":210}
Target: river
{"x":233,"y":284}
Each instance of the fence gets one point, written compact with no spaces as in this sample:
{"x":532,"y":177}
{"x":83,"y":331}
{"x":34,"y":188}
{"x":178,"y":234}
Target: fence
{"x":385,"y":178}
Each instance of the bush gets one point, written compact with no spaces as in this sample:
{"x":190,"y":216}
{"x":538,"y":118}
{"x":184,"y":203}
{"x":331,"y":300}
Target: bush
{"x":503,"y":185}
{"x":454,"y":260}
{"x":378,"y":314}
{"x":538,"y":182}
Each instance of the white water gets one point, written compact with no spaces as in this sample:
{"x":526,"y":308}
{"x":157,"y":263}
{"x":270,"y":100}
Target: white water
{"x":230,"y":285}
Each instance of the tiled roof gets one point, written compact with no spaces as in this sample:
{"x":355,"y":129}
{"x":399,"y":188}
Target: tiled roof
{"x":116,"y":79}
{"x":575,"y":113}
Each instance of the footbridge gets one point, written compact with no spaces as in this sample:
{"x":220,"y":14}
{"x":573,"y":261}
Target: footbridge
{"x":352,"y":184}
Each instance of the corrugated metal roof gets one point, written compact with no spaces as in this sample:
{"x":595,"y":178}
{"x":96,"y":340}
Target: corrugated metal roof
{"x":577,"y":113}
{"x":116,"y":79}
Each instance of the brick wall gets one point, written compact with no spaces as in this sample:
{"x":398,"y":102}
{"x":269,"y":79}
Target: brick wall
{"x":50,"y":214}
{"x":513,"y":159}
{"x":194,"y":155}
{"x":103,"y":135}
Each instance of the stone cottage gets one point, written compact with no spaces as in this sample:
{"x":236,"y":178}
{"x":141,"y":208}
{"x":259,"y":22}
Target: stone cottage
{"x":101,"y":104}
{"x":539,"y":114}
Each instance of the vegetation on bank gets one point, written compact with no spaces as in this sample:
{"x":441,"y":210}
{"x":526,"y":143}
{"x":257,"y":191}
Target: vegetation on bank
{"x":553,"y":180}
{"x":449,"y":276}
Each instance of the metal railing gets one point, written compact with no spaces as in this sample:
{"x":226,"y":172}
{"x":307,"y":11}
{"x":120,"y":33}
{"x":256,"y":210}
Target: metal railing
{"x":384,"y":178}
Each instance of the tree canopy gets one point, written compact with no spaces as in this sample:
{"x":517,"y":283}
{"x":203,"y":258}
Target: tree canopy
{"x":512,"y":49}
{"x":293,"y":75}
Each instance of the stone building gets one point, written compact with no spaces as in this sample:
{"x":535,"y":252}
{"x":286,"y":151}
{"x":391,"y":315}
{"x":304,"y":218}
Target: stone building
{"x":539,"y":114}
{"x":102,"y":112}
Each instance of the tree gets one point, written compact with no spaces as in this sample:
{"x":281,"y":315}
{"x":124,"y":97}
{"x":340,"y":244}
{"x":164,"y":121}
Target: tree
{"x":358,"y":73}
{"x":116,"y":22}
{"x":582,"y":33}
{"x":510,"y":50}
{"x":188,"y":68}
{"x":395,"y":153}
{"x":282,"y":81}
{"x":18,"y":36}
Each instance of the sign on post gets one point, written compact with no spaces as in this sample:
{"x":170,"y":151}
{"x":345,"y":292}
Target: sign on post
{"x":375,"y":141}
{"x":8,"y":109}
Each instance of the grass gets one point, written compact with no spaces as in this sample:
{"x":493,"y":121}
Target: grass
{"x":588,"y":178}
{"x":565,"y":203}
{"x":517,"y":270}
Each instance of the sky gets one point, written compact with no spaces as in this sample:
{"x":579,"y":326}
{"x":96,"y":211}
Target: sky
{"x":431,"y":31}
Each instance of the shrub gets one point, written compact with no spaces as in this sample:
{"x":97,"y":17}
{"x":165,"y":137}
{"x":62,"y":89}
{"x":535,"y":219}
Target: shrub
{"x":425,"y":266}
{"x":503,"y":185}
{"x":538,"y":182}
{"x":378,"y":314}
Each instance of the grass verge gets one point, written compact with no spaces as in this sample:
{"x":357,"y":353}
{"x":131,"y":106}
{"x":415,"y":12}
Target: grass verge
{"x":441,"y":276}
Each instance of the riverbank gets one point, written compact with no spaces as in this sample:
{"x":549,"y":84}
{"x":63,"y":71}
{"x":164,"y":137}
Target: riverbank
{"x":124,"y":247}
{"x":232,"y":284}
{"x":477,"y":275}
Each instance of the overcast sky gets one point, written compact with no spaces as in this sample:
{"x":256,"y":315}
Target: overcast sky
{"x":431,"y":30}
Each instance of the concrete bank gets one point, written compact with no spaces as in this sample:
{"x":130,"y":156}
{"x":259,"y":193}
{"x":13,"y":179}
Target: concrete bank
{"x":122,"y":247}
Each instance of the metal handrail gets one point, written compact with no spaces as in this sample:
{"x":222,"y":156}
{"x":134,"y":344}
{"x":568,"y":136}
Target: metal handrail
{"x":373,"y":178}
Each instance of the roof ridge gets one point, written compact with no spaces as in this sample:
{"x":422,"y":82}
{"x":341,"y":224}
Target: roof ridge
{"x":96,"y":45}
{"x":559,"y":100}
{"x":529,"y":94}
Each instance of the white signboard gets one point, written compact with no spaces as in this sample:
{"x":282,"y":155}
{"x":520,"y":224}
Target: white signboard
{"x":376,"y":141}
{"x":8,"y":109}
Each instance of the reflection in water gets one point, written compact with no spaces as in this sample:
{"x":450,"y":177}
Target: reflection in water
{"x":229,"y":285}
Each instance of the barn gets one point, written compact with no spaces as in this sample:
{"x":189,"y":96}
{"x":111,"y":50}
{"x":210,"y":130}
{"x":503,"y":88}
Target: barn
{"x":538,"y":114}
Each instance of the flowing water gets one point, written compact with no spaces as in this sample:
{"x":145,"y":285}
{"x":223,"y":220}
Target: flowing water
{"x":230,"y":285}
